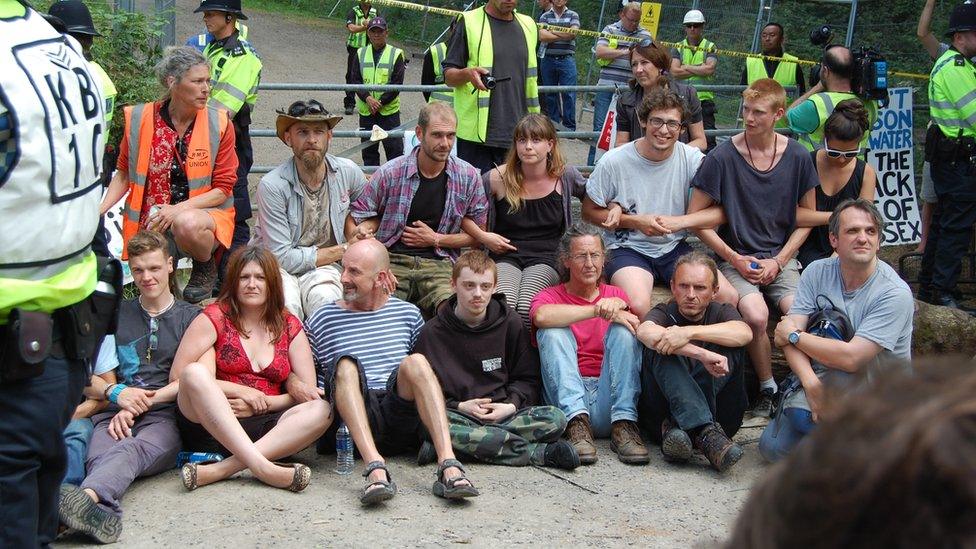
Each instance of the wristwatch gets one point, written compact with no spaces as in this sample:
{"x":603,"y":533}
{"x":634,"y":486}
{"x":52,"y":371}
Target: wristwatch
{"x":794,"y":337}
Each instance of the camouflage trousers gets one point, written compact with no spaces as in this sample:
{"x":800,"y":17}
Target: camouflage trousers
{"x":518,"y":441}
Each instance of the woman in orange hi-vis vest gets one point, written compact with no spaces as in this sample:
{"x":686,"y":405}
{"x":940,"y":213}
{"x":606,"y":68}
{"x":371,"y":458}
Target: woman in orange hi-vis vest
{"x":178,"y":165}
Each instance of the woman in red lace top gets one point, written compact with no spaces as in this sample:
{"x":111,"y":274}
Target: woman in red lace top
{"x":252,"y":392}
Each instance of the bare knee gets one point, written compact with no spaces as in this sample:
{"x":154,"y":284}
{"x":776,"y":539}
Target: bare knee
{"x":187,"y":226}
{"x":195,"y":375}
{"x":756,"y":315}
{"x":347,"y":371}
{"x":414,"y":368}
{"x":319,"y":414}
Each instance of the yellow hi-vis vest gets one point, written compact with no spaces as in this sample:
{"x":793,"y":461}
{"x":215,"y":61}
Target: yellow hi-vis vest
{"x":825,"y":103}
{"x":108,"y":88}
{"x":472,"y":108}
{"x":951,"y":99}
{"x":358,"y":39}
{"x":785,"y":72}
{"x":378,"y":73}
{"x":437,"y":54}
{"x":697,"y":57}
{"x":52,"y":136}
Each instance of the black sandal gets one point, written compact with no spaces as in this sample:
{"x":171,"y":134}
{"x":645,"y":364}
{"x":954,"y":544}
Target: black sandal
{"x":448,"y":488}
{"x":386,"y":488}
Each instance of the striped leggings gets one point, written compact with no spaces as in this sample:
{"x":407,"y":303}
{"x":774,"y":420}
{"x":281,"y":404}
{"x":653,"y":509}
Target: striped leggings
{"x":521,"y":285}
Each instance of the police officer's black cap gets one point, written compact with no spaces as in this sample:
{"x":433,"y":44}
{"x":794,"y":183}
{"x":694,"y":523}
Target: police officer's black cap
{"x":962,"y":18}
{"x":75,"y":16}
{"x":232,"y":7}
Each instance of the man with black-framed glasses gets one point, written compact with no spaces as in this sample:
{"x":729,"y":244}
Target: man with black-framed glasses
{"x":136,"y":435}
{"x":302,"y":207}
{"x":639,"y":194}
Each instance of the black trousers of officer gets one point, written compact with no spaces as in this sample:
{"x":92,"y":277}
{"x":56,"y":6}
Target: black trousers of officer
{"x":349,"y":101}
{"x":708,"y":121}
{"x":242,"y":197}
{"x":392,"y":146}
{"x":33,"y":415}
{"x":952,"y":224}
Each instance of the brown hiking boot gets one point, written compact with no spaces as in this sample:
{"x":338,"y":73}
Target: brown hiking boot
{"x":625,"y":439}
{"x":578,"y":434}
{"x":203,"y":278}
{"x":721,"y":452}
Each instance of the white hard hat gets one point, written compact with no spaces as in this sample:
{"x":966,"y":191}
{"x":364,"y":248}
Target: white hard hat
{"x":693,"y":16}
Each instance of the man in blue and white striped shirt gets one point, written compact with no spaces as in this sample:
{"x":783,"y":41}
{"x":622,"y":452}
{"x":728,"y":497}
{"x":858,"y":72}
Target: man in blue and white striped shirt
{"x":361,"y":346}
{"x":559,"y":64}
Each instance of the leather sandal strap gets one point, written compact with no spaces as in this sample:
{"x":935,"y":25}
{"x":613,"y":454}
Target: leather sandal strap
{"x":374,"y":465}
{"x":447,"y":464}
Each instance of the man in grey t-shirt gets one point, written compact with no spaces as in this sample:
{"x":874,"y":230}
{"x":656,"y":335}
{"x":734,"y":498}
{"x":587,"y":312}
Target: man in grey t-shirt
{"x":639,"y":194}
{"x":876,"y":300}
{"x":760,"y":178}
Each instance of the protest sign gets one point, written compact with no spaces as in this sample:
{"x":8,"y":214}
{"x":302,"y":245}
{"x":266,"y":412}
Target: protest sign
{"x":892,"y":155}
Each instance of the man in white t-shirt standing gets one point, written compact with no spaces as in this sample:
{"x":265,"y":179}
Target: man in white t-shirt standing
{"x":639,"y":194}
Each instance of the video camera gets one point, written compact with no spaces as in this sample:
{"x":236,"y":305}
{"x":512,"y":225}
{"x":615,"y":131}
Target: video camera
{"x":869,"y":75}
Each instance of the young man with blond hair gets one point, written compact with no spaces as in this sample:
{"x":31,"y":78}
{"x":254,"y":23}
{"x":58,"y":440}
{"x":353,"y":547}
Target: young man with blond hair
{"x":760,"y":178}
{"x":491,"y":383}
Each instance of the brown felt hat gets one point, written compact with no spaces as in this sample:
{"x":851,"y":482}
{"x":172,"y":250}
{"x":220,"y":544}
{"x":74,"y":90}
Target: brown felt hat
{"x":303,"y":111}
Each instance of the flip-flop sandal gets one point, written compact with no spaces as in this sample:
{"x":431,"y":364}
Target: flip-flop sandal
{"x":377,"y":490}
{"x":448,"y":488}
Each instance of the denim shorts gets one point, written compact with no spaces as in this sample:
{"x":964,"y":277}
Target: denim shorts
{"x":661,"y":268}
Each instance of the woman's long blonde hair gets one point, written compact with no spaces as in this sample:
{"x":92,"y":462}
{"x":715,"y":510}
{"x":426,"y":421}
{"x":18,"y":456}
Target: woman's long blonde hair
{"x":531,"y":126}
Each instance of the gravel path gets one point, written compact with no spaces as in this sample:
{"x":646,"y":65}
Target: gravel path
{"x":607,"y":504}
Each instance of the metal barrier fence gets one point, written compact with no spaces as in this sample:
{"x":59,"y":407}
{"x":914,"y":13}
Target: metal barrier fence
{"x":342,"y":87}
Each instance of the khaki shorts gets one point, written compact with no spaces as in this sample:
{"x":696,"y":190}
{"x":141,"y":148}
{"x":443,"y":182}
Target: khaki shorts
{"x":421,"y":281}
{"x":783,"y":285}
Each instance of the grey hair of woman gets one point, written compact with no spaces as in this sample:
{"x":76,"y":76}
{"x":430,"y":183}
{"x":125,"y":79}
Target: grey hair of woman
{"x":578,"y":230}
{"x":176,"y":61}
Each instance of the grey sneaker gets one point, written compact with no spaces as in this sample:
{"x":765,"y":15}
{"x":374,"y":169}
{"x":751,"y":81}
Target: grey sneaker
{"x":203,"y":278}
{"x":765,"y":404}
{"x":561,"y":455}
{"x":675,"y":443}
{"x":427,"y":453}
{"x":78,"y":511}
{"x":721,"y":452}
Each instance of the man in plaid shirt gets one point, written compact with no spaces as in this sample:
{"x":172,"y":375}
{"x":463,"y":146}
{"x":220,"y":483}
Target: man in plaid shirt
{"x":415,"y":203}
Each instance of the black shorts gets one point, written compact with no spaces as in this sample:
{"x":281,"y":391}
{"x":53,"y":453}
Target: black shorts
{"x":197,"y":439}
{"x":393,"y":421}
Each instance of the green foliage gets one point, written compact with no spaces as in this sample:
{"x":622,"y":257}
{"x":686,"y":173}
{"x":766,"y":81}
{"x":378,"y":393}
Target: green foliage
{"x":128,"y":49}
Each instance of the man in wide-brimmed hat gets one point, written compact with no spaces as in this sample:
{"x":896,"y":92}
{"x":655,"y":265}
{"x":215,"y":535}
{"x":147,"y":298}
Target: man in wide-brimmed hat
{"x":302,"y":206}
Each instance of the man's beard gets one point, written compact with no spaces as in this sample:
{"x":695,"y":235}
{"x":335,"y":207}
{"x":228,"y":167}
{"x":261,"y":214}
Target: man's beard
{"x":312,"y":160}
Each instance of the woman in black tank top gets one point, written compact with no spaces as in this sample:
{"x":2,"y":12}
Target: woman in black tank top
{"x":842,"y":174}
{"x":530,"y":198}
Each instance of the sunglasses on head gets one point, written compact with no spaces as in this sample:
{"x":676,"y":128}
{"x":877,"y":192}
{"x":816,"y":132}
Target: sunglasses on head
{"x":644,"y":43}
{"x":833,"y":153}
{"x":302,"y":108}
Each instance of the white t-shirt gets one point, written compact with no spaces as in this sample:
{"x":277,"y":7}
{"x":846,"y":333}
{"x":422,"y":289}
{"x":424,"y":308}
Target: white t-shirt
{"x":642,"y":186}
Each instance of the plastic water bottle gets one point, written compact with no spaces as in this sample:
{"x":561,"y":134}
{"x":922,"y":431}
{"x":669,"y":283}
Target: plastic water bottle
{"x":344,"y":450}
{"x":183,"y":458}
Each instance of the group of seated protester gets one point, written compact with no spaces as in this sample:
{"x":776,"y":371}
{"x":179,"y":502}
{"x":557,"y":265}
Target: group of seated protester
{"x":530,"y":349}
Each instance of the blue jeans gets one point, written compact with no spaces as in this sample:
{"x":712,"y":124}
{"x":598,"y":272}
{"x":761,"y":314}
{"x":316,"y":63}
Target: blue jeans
{"x":76,"y":437}
{"x":601,"y":105}
{"x":608,"y":398}
{"x":561,"y":71}
{"x":780,"y":437}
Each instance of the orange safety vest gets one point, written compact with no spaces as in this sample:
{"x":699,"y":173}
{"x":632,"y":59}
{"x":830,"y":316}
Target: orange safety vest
{"x":201,"y":155}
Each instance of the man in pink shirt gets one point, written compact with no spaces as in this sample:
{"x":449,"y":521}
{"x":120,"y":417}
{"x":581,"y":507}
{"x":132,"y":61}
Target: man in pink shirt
{"x":590,"y":357}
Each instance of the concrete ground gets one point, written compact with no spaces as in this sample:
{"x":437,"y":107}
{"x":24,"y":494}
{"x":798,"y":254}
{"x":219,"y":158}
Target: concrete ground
{"x":607,"y":504}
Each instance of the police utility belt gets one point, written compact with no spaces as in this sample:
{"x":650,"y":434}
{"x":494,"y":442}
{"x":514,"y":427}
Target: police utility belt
{"x":940,"y":148}
{"x":74,"y":332}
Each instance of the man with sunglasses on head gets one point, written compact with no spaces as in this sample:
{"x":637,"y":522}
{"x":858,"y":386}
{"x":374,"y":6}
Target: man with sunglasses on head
{"x":806,"y":116}
{"x":639,"y":194}
{"x":697,"y":66}
{"x":302,"y":207}
{"x":136,"y":435}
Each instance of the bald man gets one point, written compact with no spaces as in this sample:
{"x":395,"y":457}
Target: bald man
{"x":385,"y":395}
